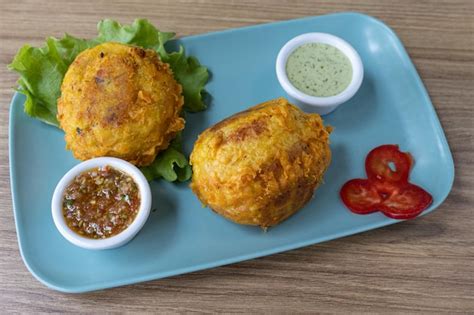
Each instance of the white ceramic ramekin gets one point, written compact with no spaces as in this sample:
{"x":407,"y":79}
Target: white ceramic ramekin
{"x":116,"y":240}
{"x":322,"y":105}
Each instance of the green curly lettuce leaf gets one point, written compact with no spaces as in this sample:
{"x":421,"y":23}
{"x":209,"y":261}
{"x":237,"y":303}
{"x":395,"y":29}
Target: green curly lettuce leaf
{"x":170,"y":164}
{"x":42,"y":71}
{"x":192,"y":76}
{"x":140,"y":33}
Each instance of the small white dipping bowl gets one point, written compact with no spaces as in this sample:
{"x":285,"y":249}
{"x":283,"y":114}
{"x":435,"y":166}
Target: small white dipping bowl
{"x":116,"y":240}
{"x":322,"y":105}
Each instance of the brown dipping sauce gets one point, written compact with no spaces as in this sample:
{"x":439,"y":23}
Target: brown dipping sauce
{"x":101,"y":202}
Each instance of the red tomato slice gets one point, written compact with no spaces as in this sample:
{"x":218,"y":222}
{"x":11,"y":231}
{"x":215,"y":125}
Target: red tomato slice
{"x":406,"y":203}
{"x":360,"y":196}
{"x":377,"y":164}
{"x":386,"y":189}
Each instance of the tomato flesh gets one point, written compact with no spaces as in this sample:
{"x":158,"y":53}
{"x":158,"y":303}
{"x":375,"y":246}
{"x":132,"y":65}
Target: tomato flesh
{"x":360,"y":196}
{"x":386,"y":190}
{"x":407,"y":203}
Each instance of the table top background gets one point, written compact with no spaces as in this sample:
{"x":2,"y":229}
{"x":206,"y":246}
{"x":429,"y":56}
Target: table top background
{"x":422,"y":265}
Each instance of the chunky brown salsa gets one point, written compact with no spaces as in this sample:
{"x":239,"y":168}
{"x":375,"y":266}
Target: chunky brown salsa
{"x":101,"y":202}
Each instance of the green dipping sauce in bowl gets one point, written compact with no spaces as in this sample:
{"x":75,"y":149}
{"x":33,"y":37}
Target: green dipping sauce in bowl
{"x":319,"y":70}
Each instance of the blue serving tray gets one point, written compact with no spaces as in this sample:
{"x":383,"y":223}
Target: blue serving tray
{"x":181,"y":236}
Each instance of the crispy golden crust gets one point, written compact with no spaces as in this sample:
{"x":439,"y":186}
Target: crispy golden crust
{"x":260,"y":166}
{"x":122,"y":101}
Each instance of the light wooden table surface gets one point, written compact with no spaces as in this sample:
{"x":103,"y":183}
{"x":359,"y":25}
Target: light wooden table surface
{"x":423,"y":265}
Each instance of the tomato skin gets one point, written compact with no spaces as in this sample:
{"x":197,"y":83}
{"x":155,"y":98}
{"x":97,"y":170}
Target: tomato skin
{"x":386,"y":190}
{"x":377,"y":164}
{"x":360,"y":196}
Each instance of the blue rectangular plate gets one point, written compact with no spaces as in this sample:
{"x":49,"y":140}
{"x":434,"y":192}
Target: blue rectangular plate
{"x":181,"y":236}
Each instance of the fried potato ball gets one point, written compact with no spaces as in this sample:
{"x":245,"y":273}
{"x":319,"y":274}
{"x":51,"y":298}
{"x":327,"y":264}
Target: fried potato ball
{"x":260,"y":166}
{"x":121,"y":101}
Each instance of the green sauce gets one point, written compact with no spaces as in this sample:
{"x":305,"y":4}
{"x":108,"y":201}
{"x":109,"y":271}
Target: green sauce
{"x":319,"y":69}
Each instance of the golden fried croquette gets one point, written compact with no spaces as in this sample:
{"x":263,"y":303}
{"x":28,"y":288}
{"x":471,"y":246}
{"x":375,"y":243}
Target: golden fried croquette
{"x":119,"y":100}
{"x":260,"y":166}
